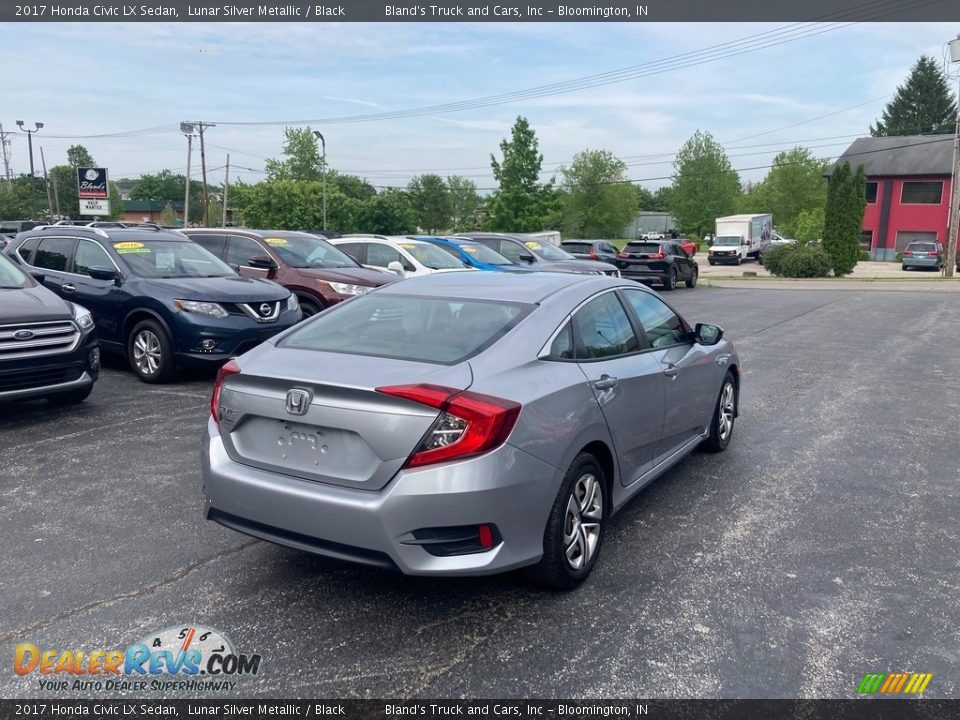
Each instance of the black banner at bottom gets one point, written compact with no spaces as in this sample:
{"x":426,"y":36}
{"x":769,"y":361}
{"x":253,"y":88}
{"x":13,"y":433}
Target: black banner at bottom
{"x":860,"y":709}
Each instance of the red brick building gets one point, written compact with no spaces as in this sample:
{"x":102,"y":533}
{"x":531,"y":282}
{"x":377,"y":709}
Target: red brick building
{"x":908,"y":190}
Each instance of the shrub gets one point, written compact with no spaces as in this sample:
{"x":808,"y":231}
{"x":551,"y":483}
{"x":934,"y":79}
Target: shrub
{"x":899,"y":257}
{"x":797,"y":261}
{"x":864,"y":256}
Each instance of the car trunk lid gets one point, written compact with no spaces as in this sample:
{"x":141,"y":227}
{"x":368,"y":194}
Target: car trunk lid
{"x":317,"y":415}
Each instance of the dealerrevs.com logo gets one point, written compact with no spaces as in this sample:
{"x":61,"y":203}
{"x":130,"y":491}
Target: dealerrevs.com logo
{"x":178,"y":658}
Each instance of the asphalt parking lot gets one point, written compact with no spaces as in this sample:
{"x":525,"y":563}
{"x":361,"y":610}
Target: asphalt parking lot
{"x":824,"y":544}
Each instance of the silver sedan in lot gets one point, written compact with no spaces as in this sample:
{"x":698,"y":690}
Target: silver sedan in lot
{"x":466,"y":423}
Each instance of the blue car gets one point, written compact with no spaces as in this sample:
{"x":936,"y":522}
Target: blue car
{"x":155,"y":296}
{"x":476,"y":255}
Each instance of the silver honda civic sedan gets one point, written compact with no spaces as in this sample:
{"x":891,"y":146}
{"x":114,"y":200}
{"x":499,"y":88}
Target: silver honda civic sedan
{"x":466,"y":423}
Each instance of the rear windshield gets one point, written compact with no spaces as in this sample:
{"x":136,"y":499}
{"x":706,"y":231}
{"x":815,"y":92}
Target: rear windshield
{"x":922,"y":247}
{"x":575,"y":247}
{"x":651,"y":248}
{"x":433,"y":330}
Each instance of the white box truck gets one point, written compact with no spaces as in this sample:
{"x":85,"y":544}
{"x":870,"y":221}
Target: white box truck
{"x":739,"y":237}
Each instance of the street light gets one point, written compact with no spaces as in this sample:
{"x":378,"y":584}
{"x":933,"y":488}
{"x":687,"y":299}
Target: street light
{"x":187,"y":129}
{"x":954,"y":189}
{"x":33,"y":207}
{"x":323,"y":145}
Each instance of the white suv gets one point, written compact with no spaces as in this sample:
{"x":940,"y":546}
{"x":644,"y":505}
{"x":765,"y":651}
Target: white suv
{"x":404,"y":256}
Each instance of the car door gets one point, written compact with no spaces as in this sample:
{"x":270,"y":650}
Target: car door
{"x":691,"y":377}
{"x":52,"y":256}
{"x":684,"y":266}
{"x":356,"y":250}
{"x":103,"y":298}
{"x":627,"y":382}
{"x":515,"y":252}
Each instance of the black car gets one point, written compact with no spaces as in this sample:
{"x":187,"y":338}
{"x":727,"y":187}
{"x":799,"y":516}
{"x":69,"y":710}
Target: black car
{"x":601,"y":250}
{"x":48,"y":346}
{"x":539,"y":254}
{"x":665,"y":262}
{"x":156,"y":297}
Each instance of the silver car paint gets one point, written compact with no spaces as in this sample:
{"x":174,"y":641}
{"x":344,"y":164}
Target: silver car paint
{"x":513,"y":486}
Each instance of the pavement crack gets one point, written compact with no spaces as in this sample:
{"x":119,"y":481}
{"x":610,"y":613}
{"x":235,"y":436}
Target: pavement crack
{"x":142,"y":592}
{"x":792,"y":318}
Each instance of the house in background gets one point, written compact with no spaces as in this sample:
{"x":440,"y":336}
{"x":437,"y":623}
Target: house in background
{"x":150,"y":211}
{"x":908,"y":190}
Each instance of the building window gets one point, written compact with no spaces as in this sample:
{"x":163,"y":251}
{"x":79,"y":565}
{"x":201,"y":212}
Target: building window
{"x":871,"y":193}
{"x":921,"y":193}
{"x":866,"y":239}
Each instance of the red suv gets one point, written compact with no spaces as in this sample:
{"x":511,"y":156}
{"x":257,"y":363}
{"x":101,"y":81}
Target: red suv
{"x":319,"y":274}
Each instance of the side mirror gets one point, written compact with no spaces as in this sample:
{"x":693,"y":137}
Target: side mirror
{"x":262,"y":262}
{"x":103,"y":272}
{"x":707,"y":334}
{"x":396,"y":267}
{"x":526,"y":257}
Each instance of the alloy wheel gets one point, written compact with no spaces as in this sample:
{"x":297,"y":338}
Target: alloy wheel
{"x":727,"y":411}
{"x":146,"y":352}
{"x":582,"y":521}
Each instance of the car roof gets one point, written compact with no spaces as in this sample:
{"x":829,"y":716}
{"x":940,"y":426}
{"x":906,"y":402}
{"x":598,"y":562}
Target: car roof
{"x":140,"y":234}
{"x":389,"y":239}
{"x":510,"y":287}
{"x":255,"y":232}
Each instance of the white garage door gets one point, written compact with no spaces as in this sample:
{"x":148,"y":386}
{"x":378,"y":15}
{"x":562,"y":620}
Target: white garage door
{"x":905,"y":237}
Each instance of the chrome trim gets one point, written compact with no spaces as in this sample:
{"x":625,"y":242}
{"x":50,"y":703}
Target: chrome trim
{"x":55,"y":337}
{"x":248,"y":309}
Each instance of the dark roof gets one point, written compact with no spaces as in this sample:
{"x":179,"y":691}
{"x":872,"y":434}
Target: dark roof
{"x":901,"y":155}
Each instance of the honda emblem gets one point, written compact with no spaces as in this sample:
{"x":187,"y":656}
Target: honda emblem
{"x":298,"y":401}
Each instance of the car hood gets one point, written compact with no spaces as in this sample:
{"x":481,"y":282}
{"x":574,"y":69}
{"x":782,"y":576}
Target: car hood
{"x":353,"y":276}
{"x":32,"y":304}
{"x":218,"y":289}
{"x":581,"y":266}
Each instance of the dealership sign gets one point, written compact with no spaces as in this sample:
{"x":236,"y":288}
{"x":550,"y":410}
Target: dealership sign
{"x":94,"y":207}
{"x":92,"y":183}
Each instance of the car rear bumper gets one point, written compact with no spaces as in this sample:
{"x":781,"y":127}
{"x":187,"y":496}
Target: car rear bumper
{"x":507,"y":487}
{"x":928,"y":262}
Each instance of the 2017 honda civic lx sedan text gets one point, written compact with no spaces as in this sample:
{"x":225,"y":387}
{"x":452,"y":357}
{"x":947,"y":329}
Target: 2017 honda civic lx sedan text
{"x":465,"y":423}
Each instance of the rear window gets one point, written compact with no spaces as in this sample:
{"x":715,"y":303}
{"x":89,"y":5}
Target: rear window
{"x":433,"y":330}
{"x":922,"y":247}
{"x":575,"y":247}
{"x":651,"y":248}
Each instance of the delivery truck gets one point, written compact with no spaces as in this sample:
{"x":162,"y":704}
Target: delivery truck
{"x":739,"y":237}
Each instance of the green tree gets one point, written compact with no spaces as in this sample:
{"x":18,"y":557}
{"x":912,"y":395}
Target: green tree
{"x":843,"y":218}
{"x":15,"y":199}
{"x":303,"y":159}
{"x":350,"y":185}
{"x":518,"y":203}
{"x":169,"y":215}
{"x":795,"y":184}
{"x":430,"y":201}
{"x":598,"y":200}
{"x":645,"y":199}
{"x":79,"y":156}
{"x":705,"y":185}
{"x":923,"y":105}
{"x":809,"y":226}
{"x":464,"y":203}
{"x":166,"y":186}
{"x":389,"y":213}
{"x":116,"y":203}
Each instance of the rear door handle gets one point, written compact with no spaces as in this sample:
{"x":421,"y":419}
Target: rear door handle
{"x":606,"y":382}
{"x":68,"y":288}
{"x":671,"y":371}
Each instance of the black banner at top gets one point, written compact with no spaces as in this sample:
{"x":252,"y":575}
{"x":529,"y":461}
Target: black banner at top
{"x":483,"y":11}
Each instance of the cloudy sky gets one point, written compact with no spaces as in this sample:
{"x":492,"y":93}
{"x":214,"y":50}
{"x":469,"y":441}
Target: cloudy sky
{"x":816,"y":86}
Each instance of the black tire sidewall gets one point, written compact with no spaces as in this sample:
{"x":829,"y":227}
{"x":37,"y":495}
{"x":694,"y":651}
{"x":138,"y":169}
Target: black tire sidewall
{"x":715,"y":443}
{"x":167,"y":369}
{"x":553,"y":570}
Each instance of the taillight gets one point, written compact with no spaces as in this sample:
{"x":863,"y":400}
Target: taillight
{"x":908,"y":252}
{"x":593,"y":252}
{"x":469,"y":423}
{"x":623,"y":254}
{"x":933,"y":253}
{"x":231,"y":368}
{"x":660,"y":255}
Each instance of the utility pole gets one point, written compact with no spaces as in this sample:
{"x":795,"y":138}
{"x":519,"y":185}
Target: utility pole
{"x":5,"y":145}
{"x":46,"y":184}
{"x":323,"y":144}
{"x":226,"y":189}
{"x":201,"y":126}
{"x":955,"y":179}
{"x":187,"y":129}
{"x":33,"y":179}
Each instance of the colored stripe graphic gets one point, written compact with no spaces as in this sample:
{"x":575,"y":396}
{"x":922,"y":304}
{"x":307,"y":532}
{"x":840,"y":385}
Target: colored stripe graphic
{"x":894,"y":683}
{"x":871,"y":682}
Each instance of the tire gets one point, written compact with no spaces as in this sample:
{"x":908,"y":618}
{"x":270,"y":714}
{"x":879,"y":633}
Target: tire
{"x":309,"y":307}
{"x":692,"y":282}
{"x":904,"y":268}
{"x":711,"y":261}
{"x":72,"y":397}
{"x":724,"y":416}
{"x":570,"y":546}
{"x":150,"y":352}
{"x":739,"y":260}
{"x":670,"y":281}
